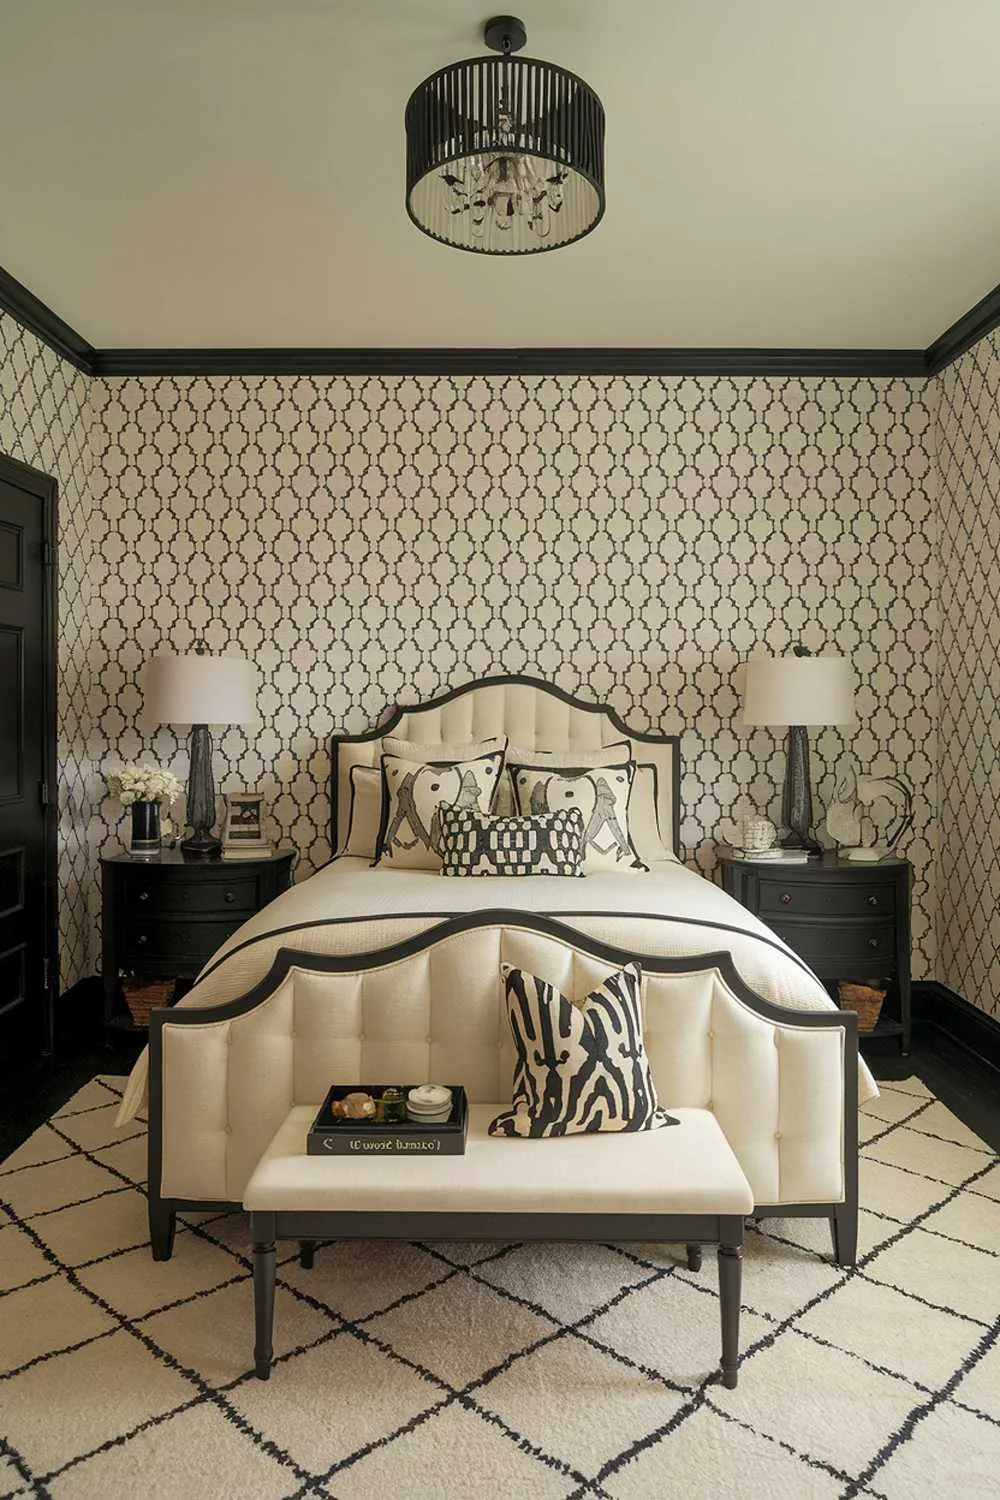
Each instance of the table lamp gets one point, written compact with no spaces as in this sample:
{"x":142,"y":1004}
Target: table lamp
{"x":200,"y":690}
{"x":800,"y":691}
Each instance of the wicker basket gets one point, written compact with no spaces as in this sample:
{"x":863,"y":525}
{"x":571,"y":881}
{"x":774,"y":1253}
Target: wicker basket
{"x":141,"y":995}
{"x":862,"y":998}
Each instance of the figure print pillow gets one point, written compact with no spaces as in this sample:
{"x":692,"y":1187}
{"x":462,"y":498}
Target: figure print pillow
{"x":473,"y":843}
{"x":602,"y":795}
{"x":581,"y":1066}
{"x":413,"y":791}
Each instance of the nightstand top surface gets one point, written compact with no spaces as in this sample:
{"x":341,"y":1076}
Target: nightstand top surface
{"x":828,"y":860}
{"x":175,"y":859}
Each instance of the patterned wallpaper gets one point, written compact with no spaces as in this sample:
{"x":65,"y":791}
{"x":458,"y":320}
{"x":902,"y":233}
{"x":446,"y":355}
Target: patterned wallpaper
{"x":968,"y":444}
{"x":43,"y":422}
{"x":367,"y":540}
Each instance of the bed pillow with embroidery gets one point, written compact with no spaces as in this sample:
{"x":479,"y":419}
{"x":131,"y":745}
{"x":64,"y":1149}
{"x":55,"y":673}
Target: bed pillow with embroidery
{"x":413,"y":791}
{"x":474,"y":843}
{"x":602,"y":795}
{"x":580,"y":1065}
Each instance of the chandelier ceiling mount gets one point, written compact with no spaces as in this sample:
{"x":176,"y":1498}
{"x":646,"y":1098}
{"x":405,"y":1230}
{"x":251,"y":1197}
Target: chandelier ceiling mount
{"x":505,"y":155}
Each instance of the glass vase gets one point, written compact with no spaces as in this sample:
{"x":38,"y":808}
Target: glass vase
{"x":145,"y":840}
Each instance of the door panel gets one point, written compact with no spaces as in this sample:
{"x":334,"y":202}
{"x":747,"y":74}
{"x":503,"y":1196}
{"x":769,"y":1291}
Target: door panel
{"x":26,"y":747}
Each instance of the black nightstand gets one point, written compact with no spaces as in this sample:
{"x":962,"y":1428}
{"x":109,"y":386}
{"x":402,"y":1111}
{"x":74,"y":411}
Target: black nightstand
{"x":846,"y":918}
{"x":164,"y":918}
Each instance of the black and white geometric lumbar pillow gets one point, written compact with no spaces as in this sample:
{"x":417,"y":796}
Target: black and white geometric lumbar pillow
{"x":602,"y":795}
{"x":473,"y":843}
{"x":581,"y":1065}
{"x":413,"y":792}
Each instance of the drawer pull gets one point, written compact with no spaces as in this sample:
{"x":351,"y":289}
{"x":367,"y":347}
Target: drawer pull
{"x":786,"y":897}
{"x":142,"y":938}
{"x":143,"y":895}
{"x":873,"y":942}
{"x":873,"y":901}
{"x":230,"y":897}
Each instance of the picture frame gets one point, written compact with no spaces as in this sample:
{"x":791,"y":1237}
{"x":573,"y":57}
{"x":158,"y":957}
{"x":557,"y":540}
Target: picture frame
{"x":244,"y":829}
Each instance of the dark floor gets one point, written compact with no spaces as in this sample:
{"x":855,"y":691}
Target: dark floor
{"x":968,"y":1087}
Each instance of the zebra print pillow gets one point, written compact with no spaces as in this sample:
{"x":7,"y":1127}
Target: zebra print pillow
{"x":474,"y":843}
{"x":581,"y":1065}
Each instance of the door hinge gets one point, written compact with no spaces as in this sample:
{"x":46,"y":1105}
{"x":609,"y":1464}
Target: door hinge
{"x":43,"y":793}
{"x":45,"y":975}
{"x":48,"y":554}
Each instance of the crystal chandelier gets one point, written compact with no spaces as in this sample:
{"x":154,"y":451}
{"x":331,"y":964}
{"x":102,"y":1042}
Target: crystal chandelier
{"x":505,"y":155}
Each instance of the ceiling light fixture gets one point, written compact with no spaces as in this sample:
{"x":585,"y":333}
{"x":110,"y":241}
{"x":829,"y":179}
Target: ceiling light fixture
{"x":505,"y":155}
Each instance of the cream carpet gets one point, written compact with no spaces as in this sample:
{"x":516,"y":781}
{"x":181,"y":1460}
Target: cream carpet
{"x":474,"y":1372}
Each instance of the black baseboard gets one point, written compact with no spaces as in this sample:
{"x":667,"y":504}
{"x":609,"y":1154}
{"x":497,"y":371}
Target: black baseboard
{"x":935,"y":1004}
{"x":79,"y":1015}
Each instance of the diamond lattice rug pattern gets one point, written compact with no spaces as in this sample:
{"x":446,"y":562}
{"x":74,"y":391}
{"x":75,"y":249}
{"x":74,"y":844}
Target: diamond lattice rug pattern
{"x":481,"y":1371}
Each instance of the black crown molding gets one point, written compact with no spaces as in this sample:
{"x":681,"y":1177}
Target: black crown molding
{"x":968,"y":330}
{"x":34,"y":315}
{"x":509,"y":362}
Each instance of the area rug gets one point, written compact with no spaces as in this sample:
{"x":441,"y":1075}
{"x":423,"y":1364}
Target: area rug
{"x":479,"y":1371}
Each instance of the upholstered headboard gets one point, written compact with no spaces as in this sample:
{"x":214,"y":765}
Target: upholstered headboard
{"x":534,"y":715}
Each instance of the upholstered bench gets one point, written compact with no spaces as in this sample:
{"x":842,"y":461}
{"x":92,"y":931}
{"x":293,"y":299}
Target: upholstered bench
{"x":679,"y":1184}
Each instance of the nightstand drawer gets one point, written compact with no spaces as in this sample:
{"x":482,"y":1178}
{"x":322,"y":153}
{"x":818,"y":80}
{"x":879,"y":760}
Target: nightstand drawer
{"x":155,"y":897}
{"x":185,"y":942}
{"x":846,"y":943}
{"x":863,"y":898}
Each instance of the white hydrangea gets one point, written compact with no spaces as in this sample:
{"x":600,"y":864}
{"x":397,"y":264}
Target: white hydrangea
{"x":143,"y":784}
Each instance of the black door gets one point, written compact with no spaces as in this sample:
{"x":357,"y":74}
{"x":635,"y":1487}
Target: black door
{"x":27,"y":875}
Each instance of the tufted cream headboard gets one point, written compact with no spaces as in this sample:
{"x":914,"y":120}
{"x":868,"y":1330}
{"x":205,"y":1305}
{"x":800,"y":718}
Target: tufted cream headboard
{"x":534,"y":715}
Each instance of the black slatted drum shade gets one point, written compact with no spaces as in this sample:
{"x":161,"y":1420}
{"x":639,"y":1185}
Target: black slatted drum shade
{"x":554,"y":118}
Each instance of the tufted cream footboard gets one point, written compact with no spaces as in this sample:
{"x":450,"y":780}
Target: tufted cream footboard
{"x":782,"y":1083}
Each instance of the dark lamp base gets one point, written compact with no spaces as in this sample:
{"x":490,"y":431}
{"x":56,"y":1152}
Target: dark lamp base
{"x":201,"y":845}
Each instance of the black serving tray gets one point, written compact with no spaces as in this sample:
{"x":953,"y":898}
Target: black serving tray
{"x":329,"y":1135}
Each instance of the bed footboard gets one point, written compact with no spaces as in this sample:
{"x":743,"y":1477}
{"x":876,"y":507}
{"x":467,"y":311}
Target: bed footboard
{"x":782,"y":1083}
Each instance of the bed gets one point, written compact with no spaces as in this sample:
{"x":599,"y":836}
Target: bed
{"x":667,"y":911}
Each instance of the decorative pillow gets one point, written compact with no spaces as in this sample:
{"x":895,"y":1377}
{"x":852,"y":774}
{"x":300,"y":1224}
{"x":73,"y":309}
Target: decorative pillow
{"x":556,"y":760}
{"x":602,"y":795}
{"x":644,"y":816}
{"x":475,"y":844}
{"x":366,"y":811}
{"x":414,"y":750}
{"x":581,"y":1065}
{"x":413,"y":791}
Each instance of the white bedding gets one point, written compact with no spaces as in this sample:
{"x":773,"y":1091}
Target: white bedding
{"x":348,"y":907}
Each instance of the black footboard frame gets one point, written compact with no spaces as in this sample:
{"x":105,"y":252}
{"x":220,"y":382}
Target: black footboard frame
{"x":842,"y":1216}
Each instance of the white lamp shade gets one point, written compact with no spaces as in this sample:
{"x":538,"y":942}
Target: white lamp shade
{"x":807,"y":690}
{"x":200,"y":689}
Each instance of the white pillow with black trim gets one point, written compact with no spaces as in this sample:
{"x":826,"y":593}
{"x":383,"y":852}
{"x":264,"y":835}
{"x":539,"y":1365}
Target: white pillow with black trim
{"x":556,"y":760}
{"x":413,"y":791}
{"x":414,"y":750}
{"x":366,"y":811}
{"x":581,"y":1066}
{"x":602,"y":795}
{"x":474,"y":843}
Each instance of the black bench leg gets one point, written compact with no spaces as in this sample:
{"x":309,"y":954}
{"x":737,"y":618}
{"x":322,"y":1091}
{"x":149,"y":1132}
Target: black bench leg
{"x":162,"y":1222}
{"x":844,"y":1228}
{"x":730,"y":1282}
{"x":307,"y":1250}
{"x":264,"y":1261}
{"x":694,"y":1257}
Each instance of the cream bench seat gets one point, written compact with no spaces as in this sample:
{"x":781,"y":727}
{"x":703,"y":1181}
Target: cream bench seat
{"x":680,"y":1183}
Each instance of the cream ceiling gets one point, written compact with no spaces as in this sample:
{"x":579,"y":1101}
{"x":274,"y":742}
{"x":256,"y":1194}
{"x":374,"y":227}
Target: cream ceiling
{"x":230,"y":172}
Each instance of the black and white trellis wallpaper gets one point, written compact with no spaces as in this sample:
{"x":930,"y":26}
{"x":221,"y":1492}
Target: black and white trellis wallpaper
{"x":968,"y":445}
{"x":367,"y":540}
{"x":373,"y":539}
{"x":44,"y":418}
